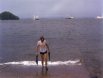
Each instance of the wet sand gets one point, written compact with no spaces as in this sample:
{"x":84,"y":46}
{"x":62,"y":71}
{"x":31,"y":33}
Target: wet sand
{"x":59,"y":71}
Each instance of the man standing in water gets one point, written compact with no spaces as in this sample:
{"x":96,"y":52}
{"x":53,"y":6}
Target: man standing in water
{"x":43,"y":48}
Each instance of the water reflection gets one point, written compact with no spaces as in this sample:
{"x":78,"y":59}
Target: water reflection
{"x":44,"y":71}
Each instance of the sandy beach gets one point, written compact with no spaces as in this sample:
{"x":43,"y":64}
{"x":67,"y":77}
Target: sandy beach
{"x":76,"y":70}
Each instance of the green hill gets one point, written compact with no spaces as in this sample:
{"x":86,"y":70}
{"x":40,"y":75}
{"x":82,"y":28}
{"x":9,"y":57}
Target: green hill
{"x":8,"y":16}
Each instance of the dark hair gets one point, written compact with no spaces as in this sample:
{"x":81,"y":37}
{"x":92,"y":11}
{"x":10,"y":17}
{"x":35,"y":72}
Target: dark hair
{"x":42,"y":38}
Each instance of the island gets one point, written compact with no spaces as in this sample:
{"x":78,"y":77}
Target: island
{"x":8,"y":16}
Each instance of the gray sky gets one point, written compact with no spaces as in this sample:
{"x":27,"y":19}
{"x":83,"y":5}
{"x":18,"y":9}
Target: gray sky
{"x":53,"y":8}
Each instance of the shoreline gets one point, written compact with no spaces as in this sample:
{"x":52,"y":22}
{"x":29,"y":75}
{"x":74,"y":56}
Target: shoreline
{"x":57,"y":71}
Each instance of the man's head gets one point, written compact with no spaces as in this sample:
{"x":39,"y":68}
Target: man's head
{"x":42,"y":38}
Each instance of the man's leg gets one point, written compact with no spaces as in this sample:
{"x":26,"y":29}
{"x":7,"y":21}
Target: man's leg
{"x":46,"y":59}
{"x":42,"y":60}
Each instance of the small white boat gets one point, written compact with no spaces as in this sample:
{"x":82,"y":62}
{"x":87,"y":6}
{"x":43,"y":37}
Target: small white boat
{"x":99,"y":17}
{"x":69,"y":17}
{"x":36,"y":18}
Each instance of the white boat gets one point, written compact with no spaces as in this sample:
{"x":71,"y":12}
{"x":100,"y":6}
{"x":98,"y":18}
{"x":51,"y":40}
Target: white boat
{"x":36,"y":17}
{"x":69,"y":17}
{"x":99,"y":17}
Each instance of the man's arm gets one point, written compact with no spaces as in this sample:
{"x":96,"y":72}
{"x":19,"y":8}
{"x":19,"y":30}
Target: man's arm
{"x":37,"y":49}
{"x":48,"y":51}
{"x":48,"y":47}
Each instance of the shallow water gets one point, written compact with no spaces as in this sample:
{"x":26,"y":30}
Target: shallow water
{"x":68,"y":39}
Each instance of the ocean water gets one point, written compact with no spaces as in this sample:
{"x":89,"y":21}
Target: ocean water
{"x":69,"y":39}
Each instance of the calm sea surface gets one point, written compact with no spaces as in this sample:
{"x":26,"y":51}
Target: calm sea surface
{"x":67,"y":38}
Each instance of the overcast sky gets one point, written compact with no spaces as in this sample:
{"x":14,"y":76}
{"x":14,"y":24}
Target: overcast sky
{"x":53,"y":8}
